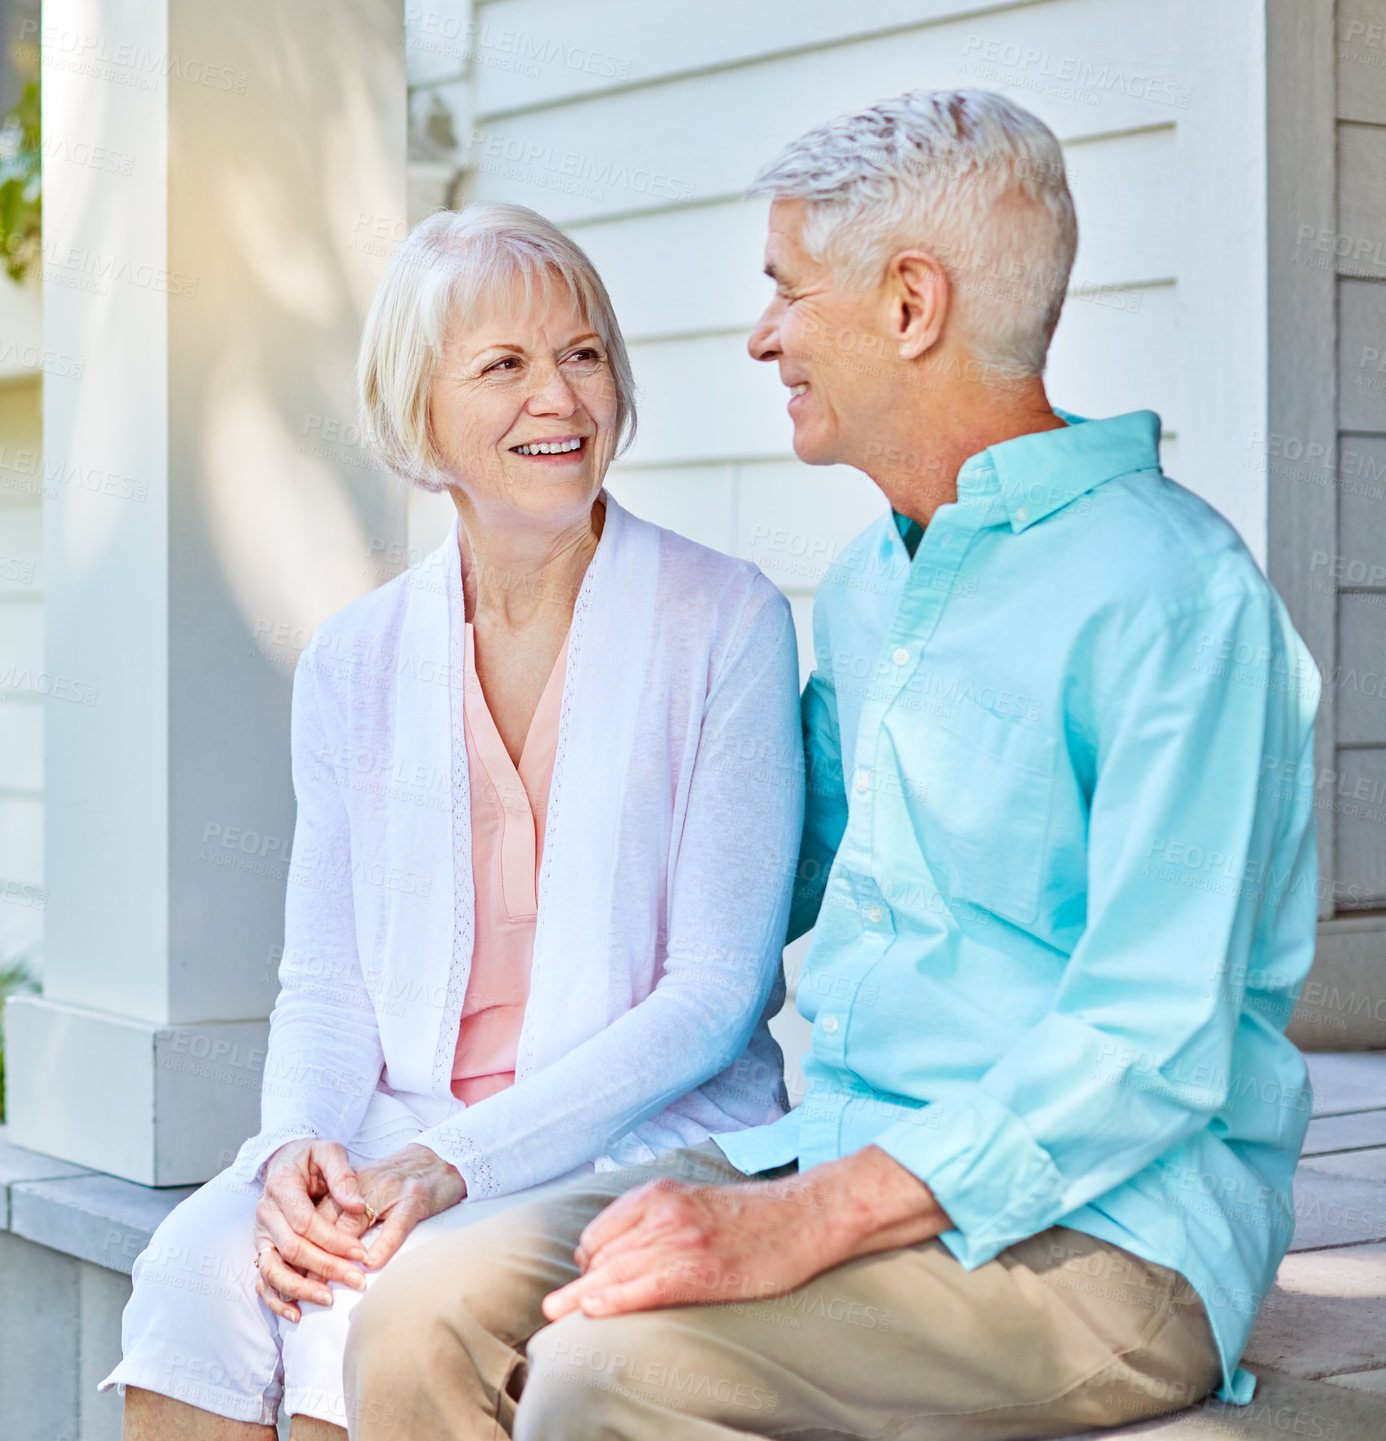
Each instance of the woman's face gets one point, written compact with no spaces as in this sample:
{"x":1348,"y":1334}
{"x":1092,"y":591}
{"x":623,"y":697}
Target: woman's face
{"x":519,"y":378}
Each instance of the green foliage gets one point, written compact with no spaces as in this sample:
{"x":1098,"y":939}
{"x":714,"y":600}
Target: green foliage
{"x":15,"y":979}
{"x":21,"y":185}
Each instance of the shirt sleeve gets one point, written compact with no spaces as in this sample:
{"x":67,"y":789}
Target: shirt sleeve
{"x":1184,"y":840}
{"x":324,"y":1056}
{"x":728,"y":911}
{"x":825,"y":798}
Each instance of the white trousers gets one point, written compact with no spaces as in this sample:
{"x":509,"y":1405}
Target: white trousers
{"x":195,"y":1330}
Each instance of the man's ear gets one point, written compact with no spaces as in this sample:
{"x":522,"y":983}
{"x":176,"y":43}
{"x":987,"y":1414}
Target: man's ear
{"x":919,"y":298}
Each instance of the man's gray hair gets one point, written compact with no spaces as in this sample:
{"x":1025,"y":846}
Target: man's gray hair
{"x":969,"y":176}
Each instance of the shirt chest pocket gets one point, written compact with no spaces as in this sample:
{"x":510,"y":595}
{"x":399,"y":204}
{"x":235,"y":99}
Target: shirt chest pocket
{"x":987,"y":802}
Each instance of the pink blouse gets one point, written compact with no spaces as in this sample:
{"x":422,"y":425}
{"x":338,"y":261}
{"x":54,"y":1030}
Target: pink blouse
{"x":509,"y":805}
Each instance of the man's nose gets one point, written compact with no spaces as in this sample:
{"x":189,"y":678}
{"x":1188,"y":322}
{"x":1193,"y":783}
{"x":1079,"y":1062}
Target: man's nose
{"x":764,"y":341}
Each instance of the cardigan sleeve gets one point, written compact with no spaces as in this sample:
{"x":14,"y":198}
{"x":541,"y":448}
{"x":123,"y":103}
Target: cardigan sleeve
{"x":728,"y":913}
{"x":324,"y":1056}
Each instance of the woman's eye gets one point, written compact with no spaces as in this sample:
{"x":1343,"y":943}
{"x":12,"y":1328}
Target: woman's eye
{"x":586,"y":356}
{"x":509,"y":363}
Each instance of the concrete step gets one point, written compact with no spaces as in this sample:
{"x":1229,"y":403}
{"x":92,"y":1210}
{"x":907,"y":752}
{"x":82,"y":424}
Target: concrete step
{"x":1284,"y":1408}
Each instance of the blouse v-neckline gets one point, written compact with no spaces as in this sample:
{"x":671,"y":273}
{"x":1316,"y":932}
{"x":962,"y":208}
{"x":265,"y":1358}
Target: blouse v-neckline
{"x":519,"y":792}
{"x":542,"y":724}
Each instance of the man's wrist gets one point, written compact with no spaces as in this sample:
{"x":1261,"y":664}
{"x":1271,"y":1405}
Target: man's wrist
{"x":873,"y":1203}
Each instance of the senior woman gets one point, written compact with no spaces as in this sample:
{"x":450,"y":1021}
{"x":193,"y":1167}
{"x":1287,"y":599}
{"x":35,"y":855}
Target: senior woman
{"x":565,"y":955}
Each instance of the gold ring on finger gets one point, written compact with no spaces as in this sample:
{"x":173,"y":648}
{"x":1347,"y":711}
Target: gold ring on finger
{"x":371,"y":1216}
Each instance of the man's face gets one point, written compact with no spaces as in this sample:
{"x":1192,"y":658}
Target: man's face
{"x":829,"y":345}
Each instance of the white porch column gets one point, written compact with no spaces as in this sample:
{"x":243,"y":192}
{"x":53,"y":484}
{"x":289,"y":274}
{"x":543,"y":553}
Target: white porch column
{"x":206,"y":505}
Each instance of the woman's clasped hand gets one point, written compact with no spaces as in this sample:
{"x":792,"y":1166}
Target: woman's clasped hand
{"x":316,"y":1209}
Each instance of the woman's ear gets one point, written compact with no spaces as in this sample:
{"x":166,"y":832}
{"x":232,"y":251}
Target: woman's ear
{"x":919,"y":298}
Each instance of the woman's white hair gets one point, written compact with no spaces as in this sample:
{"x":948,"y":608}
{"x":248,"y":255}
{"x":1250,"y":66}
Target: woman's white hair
{"x":439,"y":278}
{"x":967,"y":175}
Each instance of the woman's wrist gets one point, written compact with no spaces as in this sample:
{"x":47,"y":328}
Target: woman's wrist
{"x":450,"y":1178}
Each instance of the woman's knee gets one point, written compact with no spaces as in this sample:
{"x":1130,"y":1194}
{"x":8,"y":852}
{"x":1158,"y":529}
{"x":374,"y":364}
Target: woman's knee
{"x":208,"y":1238}
{"x":194,"y":1328}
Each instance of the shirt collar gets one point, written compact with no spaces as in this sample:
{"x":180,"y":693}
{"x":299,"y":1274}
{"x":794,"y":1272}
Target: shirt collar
{"x":1025,"y":479}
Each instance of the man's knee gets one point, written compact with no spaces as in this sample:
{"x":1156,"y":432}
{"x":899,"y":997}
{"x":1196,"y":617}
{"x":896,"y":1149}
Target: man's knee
{"x":393,"y":1326}
{"x":424,"y":1305}
{"x":614,"y":1376}
{"x":579,"y":1368}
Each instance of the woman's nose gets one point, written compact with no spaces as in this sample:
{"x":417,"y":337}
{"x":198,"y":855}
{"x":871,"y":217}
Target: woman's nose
{"x":552,"y":394}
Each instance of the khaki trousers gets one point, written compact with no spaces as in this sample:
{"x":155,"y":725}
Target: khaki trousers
{"x":1059,"y":1333}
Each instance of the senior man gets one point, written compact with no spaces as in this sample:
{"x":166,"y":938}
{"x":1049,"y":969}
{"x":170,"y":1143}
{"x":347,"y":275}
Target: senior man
{"x":1062,"y":880}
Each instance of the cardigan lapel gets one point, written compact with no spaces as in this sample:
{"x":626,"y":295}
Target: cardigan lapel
{"x":428,"y":943}
{"x":608,"y":648}
{"x":613,"y":622}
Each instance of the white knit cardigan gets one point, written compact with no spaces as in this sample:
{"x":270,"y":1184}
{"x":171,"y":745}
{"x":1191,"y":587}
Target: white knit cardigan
{"x":671,"y":838}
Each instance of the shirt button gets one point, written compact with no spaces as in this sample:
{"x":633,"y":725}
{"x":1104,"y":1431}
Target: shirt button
{"x":900,"y":655}
{"x":1023,"y":514}
{"x":830,"y":1024}
{"x":863,"y":782}
{"x":875,"y":915}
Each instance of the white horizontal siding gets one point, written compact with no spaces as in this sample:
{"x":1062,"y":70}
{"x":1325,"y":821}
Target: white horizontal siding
{"x":682,"y":271}
{"x":1358,"y":251}
{"x":430,"y":517}
{"x":1362,"y":667}
{"x":21,"y":751}
{"x":704,"y":397}
{"x":1126,"y":190}
{"x":21,"y":861}
{"x":702,"y":136}
{"x":581,"y":49}
{"x":1159,"y":107}
{"x":1361,"y":355}
{"x":21,"y":651}
{"x":790,"y":519}
{"x":1361,"y":47}
{"x":21,"y":551}
{"x":1360,"y":806}
{"x":793,"y":519}
{"x":21,"y":874}
{"x":1359,"y":247}
{"x":1114,"y":351}
{"x":1120,"y":350}
{"x":21,"y":334}
{"x":1362,"y":494}
{"x":21,"y":643}
{"x":698,"y":501}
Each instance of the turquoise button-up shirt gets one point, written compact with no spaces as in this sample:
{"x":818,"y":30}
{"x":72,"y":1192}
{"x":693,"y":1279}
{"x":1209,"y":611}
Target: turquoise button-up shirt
{"x":1060,"y":853}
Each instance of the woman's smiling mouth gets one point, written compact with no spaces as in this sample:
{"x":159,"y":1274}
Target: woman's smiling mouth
{"x":561,"y":445}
